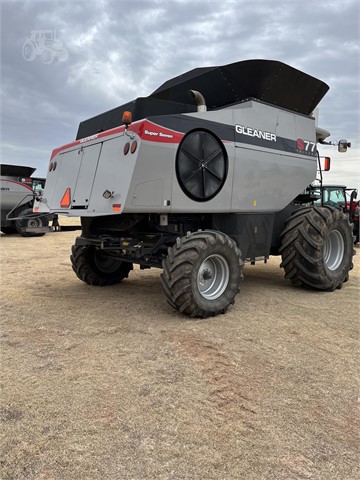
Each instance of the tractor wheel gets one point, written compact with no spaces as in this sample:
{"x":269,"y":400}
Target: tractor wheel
{"x":29,"y":51}
{"x":202,"y":273}
{"x":8,"y":230}
{"x":31,"y":221}
{"x":47,"y":56}
{"x":317,"y":248}
{"x":94,"y":267}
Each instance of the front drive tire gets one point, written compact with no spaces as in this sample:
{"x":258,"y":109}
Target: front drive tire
{"x":94,"y":267}
{"x":202,"y":273}
{"x":317,"y":248}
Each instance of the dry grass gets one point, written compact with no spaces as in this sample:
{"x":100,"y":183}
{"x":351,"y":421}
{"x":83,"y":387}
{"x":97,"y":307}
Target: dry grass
{"x":111,"y":383}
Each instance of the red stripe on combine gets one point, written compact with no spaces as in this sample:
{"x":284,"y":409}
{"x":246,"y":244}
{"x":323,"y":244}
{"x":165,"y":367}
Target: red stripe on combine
{"x":156,"y":133}
{"x":144,"y":128}
{"x":18,"y":183}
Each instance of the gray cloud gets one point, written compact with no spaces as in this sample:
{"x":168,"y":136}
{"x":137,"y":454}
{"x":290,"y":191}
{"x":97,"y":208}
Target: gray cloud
{"x":119,"y":50}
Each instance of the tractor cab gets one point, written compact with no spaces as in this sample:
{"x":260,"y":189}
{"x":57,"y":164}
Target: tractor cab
{"x":332,"y":195}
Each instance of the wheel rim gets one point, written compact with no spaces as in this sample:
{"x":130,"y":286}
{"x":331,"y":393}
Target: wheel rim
{"x":47,"y":56}
{"x":213,"y":277}
{"x":105,"y":263}
{"x":34,"y":222}
{"x":334,"y":250}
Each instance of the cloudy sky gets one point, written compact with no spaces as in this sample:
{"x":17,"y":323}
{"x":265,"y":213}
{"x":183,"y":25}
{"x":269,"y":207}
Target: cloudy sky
{"x":115,"y":50}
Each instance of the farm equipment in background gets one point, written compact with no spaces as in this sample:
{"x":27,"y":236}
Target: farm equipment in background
{"x":340,"y":196}
{"x":44,"y":43}
{"x":201,"y":176}
{"x":354,"y":209}
{"x":17,"y":192}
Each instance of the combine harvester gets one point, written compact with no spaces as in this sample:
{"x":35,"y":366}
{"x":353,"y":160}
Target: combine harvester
{"x":18,"y":189}
{"x":209,"y":171}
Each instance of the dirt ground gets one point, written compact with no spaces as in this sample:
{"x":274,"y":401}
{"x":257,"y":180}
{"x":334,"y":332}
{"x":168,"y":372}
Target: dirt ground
{"x":111,"y":383}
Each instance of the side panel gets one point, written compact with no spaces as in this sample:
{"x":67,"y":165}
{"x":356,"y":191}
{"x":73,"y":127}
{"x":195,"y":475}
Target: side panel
{"x":63,"y":177}
{"x":150,"y":188}
{"x":266,"y":167}
{"x":270,"y":172}
{"x":252,"y":233}
{"x":217,"y":123}
{"x":84,"y":183}
{"x":12,"y":193}
{"x":88,"y":171}
{"x":114,"y":172}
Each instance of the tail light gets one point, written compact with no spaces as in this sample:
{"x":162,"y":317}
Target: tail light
{"x":26,"y":180}
{"x":327,"y":164}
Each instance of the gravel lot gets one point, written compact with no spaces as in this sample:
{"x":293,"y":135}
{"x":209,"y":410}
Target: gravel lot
{"x":111,"y":383}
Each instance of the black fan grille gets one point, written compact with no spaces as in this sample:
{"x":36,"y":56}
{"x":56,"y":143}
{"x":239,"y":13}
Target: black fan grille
{"x":201,"y":165}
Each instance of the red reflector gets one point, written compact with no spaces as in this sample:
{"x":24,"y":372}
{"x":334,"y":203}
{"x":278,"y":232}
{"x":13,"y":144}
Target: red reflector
{"x":327,"y":164}
{"x":116,"y":207}
{"x":66,"y":199}
{"x":36,"y":209}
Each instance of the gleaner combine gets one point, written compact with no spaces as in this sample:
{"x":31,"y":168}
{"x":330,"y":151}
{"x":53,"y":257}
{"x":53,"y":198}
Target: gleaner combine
{"x":17,"y":192}
{"x":208,"y":172}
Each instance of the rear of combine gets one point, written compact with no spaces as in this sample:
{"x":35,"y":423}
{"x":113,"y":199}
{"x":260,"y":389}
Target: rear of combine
{"x":204,"y":174}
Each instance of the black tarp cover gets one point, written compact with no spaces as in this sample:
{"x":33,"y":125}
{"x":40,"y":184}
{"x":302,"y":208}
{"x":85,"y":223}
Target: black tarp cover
{"x":270,"y":81}
{"x":16,"y":170}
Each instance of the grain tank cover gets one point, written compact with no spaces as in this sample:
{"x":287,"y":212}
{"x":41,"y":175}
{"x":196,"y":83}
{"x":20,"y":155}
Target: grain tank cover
{"x":270,"y":81}
{"x":267,"y":80}
{"x":16,"y":170}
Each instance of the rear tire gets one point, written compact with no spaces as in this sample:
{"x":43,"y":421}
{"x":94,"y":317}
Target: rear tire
{"x":29,"y":51}
{"x":94,"y":267}
{"x":31,"y":221}
{"x":202,"y":273}
{"x":317,"y":248}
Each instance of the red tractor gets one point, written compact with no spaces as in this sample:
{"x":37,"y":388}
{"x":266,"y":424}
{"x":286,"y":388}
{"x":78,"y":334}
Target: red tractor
{"x":341,"y":197}
{"x":354,"y":211}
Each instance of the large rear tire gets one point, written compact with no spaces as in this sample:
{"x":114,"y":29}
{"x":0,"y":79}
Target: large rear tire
{"x":202,"y":273}
{"x":94,"y":267}
{"x":30,"y":221}
{"x":317,"y":248}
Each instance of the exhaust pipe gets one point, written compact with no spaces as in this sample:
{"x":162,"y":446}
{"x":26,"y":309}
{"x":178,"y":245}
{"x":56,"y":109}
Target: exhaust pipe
{"x":199,"y":99}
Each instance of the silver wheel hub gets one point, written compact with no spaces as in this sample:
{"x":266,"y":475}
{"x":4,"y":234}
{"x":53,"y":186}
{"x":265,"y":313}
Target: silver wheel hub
{"x":213,"y":277}
{"x":334,"y":248}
